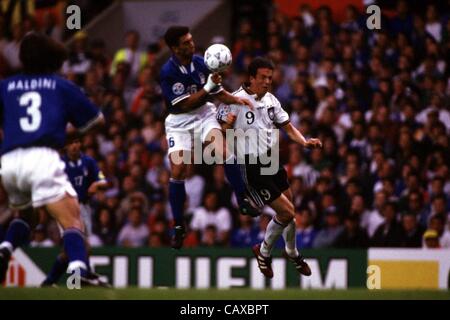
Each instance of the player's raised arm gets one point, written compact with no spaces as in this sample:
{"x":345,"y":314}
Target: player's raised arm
{"x":297,"y":136}
{"x":227,"y":98}
{"x":192,"y":101}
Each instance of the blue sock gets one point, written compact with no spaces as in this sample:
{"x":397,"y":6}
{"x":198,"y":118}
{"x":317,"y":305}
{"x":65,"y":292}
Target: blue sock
{"x":75,"y":249}
{"x":177,"y":198}
{"x":58,"y":269}
{"x":18,"y":233}
{"x":234,"y":176}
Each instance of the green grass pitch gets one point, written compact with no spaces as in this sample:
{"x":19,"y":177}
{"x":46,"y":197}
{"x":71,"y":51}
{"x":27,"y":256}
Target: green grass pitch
{"x":214,"y":294}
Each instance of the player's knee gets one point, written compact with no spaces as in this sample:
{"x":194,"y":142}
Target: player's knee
{"x":289,"y":216}
{"x":178,"y":175}
{"x":75,"y":224}
{"x":178,"y":172}
{"x":286,"y":215}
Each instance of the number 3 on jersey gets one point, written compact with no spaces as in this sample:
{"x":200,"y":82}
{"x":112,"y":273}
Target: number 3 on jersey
{"x":32,"y":101}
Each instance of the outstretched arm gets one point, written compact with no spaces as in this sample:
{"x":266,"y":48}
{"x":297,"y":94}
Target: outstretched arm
{"x":296,"y":136}
{"x":97,"y":185}
{"x":199,"y":98}
{"x":227,"y":98}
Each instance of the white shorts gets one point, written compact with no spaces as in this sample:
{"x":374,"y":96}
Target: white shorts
{"x":182,"y":129}
{"x":34,"y":177}
{"x":86,"y":217}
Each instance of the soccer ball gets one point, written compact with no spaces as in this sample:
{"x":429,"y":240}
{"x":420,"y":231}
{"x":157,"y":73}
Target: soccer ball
{"x":217,"y":57}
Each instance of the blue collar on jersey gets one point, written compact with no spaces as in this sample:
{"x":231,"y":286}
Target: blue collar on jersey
{"x":183,"y":68}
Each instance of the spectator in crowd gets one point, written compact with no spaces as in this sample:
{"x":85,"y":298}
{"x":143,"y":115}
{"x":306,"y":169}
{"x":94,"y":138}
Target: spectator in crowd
{"x":353,"y":235}
{"x":210,"y":214}
{"x":437,"y":223}
{"x":245,"y":235}
{"x":327,"y":237}
{"x":300,"y":197}
{"x":79,"y":62}
{"x":50,"y":26}
{"x":389,"y":233}
{"x":195,"y":183}
{"x":156,"y":240}
{"x":105,"y":226}
{"x":431,"y":239}
{"x":412,"y":231}
{"x":134,"y":233}
{"x":221,"y":187}
{"x":304,"y":229}
{"x":131,"y":55}
{"x":159,"y":237}
{"x":415,"y":206}
{"x":298,"y":167}
{"x":375,"y":218}
{"x":439,"y":206}
{"x":11,"y":49}
{"x":39,"y":238}
{"x":210,"y":236}
{"x":133,"y":200}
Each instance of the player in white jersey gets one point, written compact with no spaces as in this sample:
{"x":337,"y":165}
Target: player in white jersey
{"x":187,"y":85}
{"x":264,"y":186}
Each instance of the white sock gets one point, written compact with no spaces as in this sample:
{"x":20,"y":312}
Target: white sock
{"x":290,"y":239}
{"x":77,"y":264}
{"x":273,"y":232}
{"x":7,"y":245}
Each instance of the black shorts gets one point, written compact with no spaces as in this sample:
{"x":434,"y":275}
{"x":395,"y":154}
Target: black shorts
{"x":263,"y":189}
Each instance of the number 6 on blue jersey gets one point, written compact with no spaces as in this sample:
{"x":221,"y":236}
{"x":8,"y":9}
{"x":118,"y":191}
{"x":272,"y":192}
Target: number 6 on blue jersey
{"x":171,"y":142}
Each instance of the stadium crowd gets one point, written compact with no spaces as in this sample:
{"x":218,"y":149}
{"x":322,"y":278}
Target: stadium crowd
{"x":378,"y":100}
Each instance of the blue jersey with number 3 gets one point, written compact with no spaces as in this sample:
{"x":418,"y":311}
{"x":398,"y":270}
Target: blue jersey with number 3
{"x":35,"y":110}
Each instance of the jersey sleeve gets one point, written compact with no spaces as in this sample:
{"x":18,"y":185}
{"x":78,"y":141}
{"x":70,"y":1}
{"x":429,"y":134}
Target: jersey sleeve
{"x":95,"y":174}
{"x":173,"y":89}
{"x":82,"y":113}
{"x":281,"y":116}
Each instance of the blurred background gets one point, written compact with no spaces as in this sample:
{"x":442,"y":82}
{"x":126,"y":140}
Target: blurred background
{"x":378,"y":99}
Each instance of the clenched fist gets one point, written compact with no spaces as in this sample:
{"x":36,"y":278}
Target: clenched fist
{"x":313,"y":143}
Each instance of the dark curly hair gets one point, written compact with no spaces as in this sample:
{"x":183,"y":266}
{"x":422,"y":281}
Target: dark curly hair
{"x":41,"y":54}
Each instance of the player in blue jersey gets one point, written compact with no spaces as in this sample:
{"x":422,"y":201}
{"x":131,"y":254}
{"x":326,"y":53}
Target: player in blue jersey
{"x":35,"y":108}
{"x":86,"y":178}
{"x":187,"y":84}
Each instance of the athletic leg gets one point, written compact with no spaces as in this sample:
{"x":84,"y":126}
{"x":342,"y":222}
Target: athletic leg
{"x":291,"y":251}
{"x":67,"y":213}
{"x":17,"y":235}
{"x":177,"y":196}
{"x":232,"y":171}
